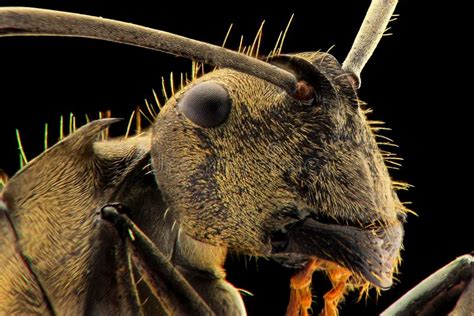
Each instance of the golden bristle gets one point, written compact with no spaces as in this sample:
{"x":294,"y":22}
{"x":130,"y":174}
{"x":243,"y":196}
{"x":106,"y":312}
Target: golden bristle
{"x":23,"y":159}
{"x":227,"y":35}
{"x":129,"y":125}
{"x":284,"y":34}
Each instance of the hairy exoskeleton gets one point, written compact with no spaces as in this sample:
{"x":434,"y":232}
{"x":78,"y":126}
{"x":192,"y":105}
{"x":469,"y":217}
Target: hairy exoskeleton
{"x":279,"y":177}
{"x":267,"y":159}
{"x":274,"y":163}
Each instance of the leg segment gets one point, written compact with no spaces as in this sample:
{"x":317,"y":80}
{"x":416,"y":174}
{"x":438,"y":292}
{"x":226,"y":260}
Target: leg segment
{"x":300,"y":289}
{"x":338,"y":277}
{"x":166,"y":283}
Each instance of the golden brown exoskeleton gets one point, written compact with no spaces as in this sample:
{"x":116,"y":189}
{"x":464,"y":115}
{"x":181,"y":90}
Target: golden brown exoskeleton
{"x":267,"y":159}
{"x":289,"y":179}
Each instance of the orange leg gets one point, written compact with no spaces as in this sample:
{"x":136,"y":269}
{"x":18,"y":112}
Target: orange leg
{"x":300,"y":290}
{"x":339,"y":277}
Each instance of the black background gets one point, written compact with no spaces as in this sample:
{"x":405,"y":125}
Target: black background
{"x":413,"y":82}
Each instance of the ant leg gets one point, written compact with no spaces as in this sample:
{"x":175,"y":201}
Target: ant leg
{"x":165,"y":282}
{"x":338,"y":277}
{"x":300,"y":289}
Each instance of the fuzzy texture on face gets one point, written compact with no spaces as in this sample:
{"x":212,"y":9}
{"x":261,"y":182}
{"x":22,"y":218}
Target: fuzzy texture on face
{"x":274,"y":162}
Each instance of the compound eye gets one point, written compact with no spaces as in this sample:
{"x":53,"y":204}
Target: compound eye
{"x":207,"y":104}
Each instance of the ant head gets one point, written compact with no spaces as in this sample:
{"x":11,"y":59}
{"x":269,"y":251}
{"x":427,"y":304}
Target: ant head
{"x":242,"y":161}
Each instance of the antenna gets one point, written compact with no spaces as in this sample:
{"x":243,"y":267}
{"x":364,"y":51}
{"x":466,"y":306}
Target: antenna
{"x":371,"y":31}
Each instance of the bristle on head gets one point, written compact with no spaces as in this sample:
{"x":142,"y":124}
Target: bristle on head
{"x":3,"y":180}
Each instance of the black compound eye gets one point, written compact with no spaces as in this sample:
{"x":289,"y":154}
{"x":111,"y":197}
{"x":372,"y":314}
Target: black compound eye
{"x":207,"y":104}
